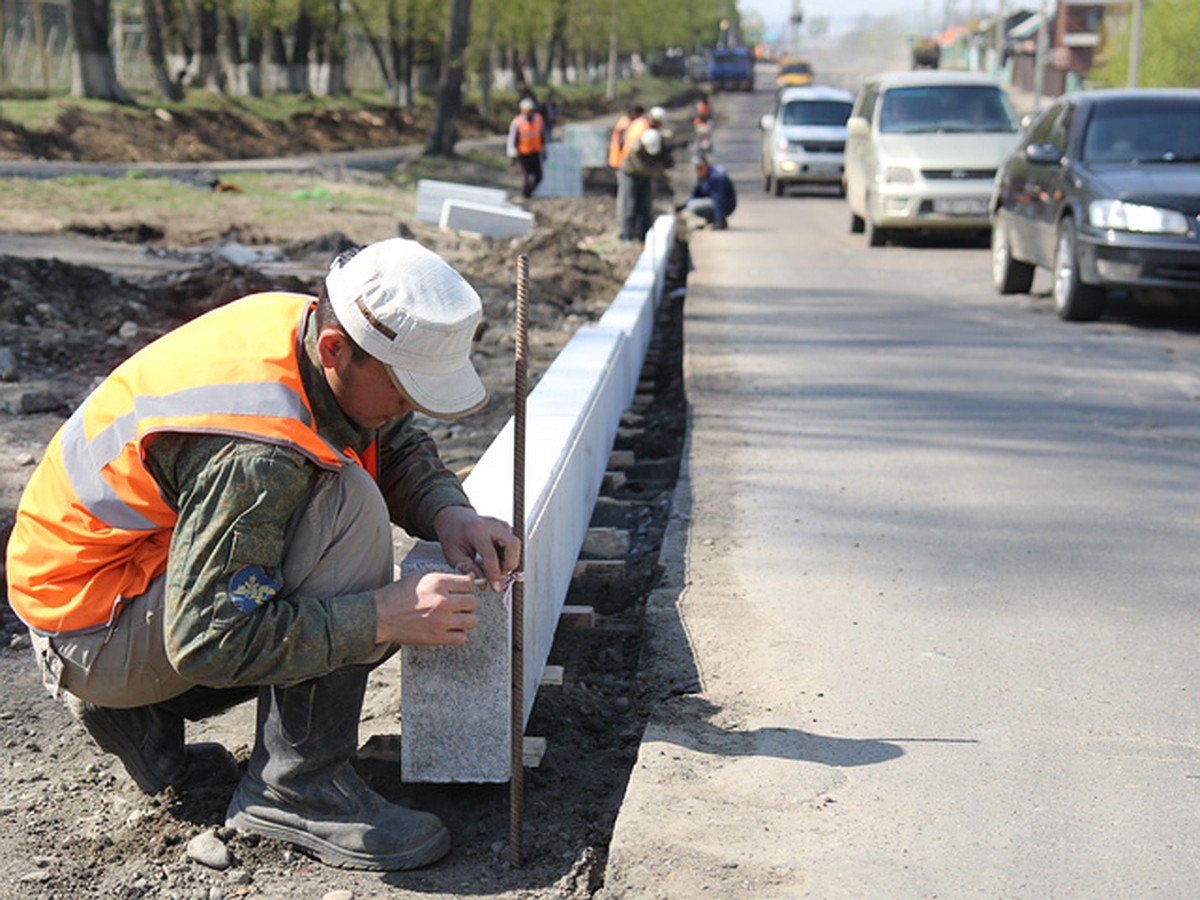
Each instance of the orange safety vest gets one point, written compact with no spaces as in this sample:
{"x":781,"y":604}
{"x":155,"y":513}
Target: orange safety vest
{"x":617,"y":141}
{"x":632,"y":134}
{"x":92,"y":528}
{"x":529,"y":134}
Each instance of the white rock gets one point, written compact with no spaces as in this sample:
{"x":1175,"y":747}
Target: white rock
{"x":206,"y":848}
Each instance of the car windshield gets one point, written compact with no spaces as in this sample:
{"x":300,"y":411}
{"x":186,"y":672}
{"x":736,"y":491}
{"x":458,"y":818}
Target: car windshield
{"x":946,"y":108}
{"x":816,"y":112}
{"x":1144,"y":130}
{"x":796,"y":69}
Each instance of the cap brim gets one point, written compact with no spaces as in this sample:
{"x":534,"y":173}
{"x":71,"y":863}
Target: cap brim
{"x":450,"y":396}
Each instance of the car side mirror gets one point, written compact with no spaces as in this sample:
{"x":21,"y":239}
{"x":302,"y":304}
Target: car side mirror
{"x":767,"y":122}
{"x":1043,"y":154}
{"x":857,"y":126}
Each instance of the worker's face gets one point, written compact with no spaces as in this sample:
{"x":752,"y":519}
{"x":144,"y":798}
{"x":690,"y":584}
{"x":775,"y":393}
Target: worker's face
{"x":363,"y":388}
{"x":701,"y":172}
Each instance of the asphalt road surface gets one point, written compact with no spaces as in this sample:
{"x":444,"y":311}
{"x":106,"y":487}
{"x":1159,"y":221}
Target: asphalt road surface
{"x":937,"y":583}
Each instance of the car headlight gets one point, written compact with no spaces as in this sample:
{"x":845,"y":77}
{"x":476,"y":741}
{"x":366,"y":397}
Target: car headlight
{"x":894,"y":174}
{"x":1121,"y":216}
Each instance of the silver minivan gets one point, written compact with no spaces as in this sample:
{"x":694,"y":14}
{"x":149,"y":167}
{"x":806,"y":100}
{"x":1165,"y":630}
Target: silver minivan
{"x":922,"y":150}
{"x":804,"y":137}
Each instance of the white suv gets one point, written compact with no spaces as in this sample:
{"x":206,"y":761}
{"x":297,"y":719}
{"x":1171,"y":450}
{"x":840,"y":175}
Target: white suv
{"x":804,"y":138}
{"x":922,"y":151}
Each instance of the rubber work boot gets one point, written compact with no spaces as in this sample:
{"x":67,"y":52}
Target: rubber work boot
{"x":300,"y":786}
{"x":149,"y":742}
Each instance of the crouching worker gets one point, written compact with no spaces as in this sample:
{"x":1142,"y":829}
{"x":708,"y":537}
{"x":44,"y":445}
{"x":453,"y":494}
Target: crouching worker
{"x":713,"y":198}
{"x":213,"y":523}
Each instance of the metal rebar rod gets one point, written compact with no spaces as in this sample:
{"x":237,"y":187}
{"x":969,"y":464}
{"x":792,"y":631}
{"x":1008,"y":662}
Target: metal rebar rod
{"x":517,"y":725}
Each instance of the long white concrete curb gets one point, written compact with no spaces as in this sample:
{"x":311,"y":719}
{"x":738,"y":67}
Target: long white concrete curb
{"x":456,"y":701}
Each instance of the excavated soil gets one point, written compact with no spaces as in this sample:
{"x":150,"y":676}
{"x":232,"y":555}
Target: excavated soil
{"x":72,"y":824}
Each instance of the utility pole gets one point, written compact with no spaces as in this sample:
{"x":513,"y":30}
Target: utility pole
{"x":1135,"y":43}
{"x":1039,"y":65}
{"x":614,"y":48}
{"x":796,"y":18}
{"x":1001,"y":28}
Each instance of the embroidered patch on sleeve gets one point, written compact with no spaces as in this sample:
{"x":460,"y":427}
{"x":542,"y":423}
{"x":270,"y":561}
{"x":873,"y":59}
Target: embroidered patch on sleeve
{"x":251,"y":587}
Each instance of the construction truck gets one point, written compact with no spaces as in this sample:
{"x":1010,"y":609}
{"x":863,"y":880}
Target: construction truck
{"x":926,"y":53}
{"x":731,"y":69}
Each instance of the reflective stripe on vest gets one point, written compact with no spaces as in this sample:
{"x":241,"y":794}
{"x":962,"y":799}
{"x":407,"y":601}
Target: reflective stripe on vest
{"x":617,"y":141}
{"x":632,"y":134}
{"x":92,"y":527}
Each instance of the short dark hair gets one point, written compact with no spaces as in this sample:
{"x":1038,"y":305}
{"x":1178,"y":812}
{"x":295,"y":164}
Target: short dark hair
{"x":327,"y":318}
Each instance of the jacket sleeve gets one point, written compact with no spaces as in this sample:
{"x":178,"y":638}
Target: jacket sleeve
{"x":510,"y":147}
{"x":235,"y":499}
{"x":415,"y":482}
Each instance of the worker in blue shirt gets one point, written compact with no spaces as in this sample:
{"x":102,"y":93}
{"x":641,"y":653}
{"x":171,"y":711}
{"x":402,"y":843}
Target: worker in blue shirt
{"x":713,"y":198}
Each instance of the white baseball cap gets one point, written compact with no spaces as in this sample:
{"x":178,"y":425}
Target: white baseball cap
{"x":408,"y":308}
{"x":658,"y":114}
{"x":527,"y":103}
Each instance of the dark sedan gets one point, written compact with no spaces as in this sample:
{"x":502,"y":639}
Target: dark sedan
{"x":1104,"y":191}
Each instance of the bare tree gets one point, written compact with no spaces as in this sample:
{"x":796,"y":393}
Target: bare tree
{"x":94,"y":75}
{"x":443,"y":133}
{"x":209,"y":73}
{"x":168,"y":87}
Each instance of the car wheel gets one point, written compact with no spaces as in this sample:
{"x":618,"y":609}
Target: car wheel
{"x":1010,"y":276}
{"x":1074,"y":301}
{"x":876,"y":236}
{"x":856,"y":224}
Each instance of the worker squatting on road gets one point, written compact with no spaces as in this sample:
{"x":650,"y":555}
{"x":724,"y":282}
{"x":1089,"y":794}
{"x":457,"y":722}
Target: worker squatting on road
{"x":527,"y":144}
{"x":213,"y":523}
{"x":713,"y":198}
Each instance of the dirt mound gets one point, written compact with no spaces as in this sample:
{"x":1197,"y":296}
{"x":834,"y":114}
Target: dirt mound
{"x":74,"y":824}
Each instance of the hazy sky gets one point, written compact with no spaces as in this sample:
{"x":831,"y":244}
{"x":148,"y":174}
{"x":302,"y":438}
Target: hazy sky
{"x":775,"y":13}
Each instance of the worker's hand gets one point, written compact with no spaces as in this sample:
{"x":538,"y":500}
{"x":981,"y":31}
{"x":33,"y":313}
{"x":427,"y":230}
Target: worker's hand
{"x":437,"y":608}
{"x":479,"y":545}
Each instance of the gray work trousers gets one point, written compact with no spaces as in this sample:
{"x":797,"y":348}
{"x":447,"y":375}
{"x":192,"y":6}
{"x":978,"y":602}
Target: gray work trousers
{"x":341,"y":543}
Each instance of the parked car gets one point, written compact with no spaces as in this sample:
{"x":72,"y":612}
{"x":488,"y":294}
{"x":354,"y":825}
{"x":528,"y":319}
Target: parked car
{"x":794,"y":71}
{"x":922,"y":149}
{"x":671,"y":64}
{"x":1104,"y":191}
{"x":804,"y":137}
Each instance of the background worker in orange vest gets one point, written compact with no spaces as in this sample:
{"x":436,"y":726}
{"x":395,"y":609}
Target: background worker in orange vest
{"x":643,"y":159}
{"x":616,"y":143}
{"x":214,"y":524}
{"x":527,"y":144}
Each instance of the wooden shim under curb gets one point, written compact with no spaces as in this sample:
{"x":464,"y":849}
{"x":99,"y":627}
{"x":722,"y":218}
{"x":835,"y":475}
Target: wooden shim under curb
{"x":600,"y":569}
{"x":532,"y":751}
{"x":576,"y":617}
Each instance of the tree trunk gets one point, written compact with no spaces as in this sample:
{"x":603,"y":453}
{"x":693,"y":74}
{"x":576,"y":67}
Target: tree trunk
{"x":94,"y":74}
{"x":168,"y":89}
{"x":377,"y":49}
{"x":208,"y":72}
{"x":409,"y":68}
{"x":444,"y":131}
{"x":301,"y":48}
{"x":331,"y":51}
{"x":251,"y":67}
{"x":176,"y":43}
{"x":279,"y":57}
